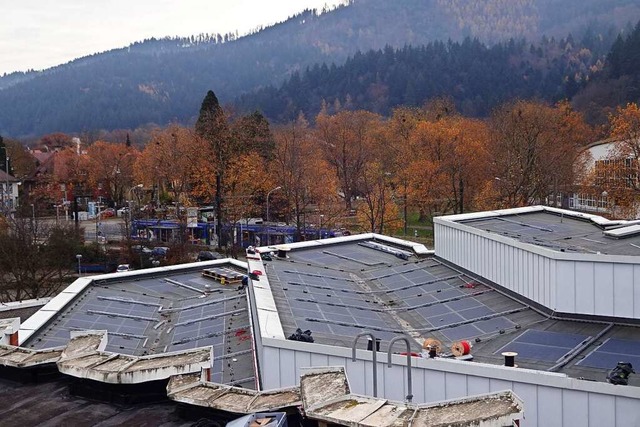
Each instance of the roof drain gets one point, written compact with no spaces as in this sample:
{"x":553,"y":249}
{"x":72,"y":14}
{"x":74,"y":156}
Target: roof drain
{"x":389,"y":364}
{"x":374,"y":348}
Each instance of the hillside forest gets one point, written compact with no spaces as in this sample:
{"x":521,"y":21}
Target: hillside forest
{"x":374,"y":55}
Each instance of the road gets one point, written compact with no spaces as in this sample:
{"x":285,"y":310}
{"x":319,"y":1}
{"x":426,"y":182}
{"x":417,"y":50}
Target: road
{"x":110,"y":228}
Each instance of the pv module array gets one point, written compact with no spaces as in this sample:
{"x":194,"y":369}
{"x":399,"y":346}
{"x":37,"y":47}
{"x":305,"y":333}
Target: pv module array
{"x":427,"y":294}
{"x":611,"y":352}
{"x":544,"y":346}
{"x":126,"y":318}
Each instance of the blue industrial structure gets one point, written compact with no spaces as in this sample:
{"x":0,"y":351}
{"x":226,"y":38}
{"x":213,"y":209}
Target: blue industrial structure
{"x":240,"y":234}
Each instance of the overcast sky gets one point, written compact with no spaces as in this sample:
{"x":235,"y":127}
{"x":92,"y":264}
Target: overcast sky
{"x":38,"y":34}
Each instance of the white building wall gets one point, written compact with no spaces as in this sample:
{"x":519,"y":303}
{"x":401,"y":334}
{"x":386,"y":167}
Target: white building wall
{"x":550,"y":399}
{"x":590,"y":284}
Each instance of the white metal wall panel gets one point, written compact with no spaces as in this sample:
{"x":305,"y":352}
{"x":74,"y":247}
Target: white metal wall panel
{"x":636,"y":291}
{"x":564,"y":282}
{"x":270,"y":369}
{"x":288,"y":374}
{"x":549,"y":399}
{"x":602,"y":410}
{"x":395,"y":386}
{"x":456,"y":386}
{"x":623,"y":290}
{"x":549,"y":408}
{"x":627,"y":412}
{"x":528,"y":393}
{"x":575,"y":408}
{"x":585,"y":288}
{"x":478,"y":385}
{"x":436,"y":385}
{"x":603,"y":287}
{"x":565,"y":287}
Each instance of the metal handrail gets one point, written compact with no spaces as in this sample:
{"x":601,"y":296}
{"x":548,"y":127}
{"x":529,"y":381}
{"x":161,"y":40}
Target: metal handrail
{"x":389,"y":364}
{"x":375,"y":359}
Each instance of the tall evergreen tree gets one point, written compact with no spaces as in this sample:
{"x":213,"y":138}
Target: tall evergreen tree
{"x":3,"y":155}
{"x":212,"y":127}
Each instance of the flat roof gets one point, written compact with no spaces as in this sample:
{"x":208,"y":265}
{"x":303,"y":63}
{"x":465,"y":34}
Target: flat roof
{"x":339,"y":290}
{"x":161,"y":311}
{"x":562,"y":232}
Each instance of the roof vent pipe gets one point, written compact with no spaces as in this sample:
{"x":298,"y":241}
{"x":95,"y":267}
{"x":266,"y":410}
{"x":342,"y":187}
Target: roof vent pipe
{"x":389,"y":364}
{"x":375,"y":349}
{"x":510,"y":359}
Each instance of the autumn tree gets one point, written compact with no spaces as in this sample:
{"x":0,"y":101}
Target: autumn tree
{"x":377,"y":210}
{"x":21,"y":162}
{"x":228,"y":138}
{"x":174,"y":158}
{"x":55,"y":141}
{"x":298,"y":165}
{"x":347,"y":139}
{"x":110,"y":166}
{"x":533,"y":149}
{"x":619,"y":174}
{"x":399,"y":153}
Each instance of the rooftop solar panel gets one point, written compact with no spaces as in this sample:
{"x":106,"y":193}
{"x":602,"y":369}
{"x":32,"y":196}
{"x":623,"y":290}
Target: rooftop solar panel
{"x":611,"y":352}
{"x":614,"y":345}
{"x":461,"y":332}
{"x":544,"y":345}
{"x":604,"y":360}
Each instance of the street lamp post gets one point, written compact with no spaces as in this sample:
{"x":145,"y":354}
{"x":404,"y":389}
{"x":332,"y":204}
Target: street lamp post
{"x":5,"y":193}
{"x":269,"y":194}
{"x":130,"y":190}
{"x":79,"y":258}
{"x":320,"y":229}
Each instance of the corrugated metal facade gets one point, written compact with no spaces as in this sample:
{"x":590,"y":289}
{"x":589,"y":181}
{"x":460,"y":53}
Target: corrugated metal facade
{"x":602,"y":285}
{"x":549,"y":399}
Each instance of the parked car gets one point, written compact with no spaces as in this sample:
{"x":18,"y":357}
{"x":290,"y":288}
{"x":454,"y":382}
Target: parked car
{"x":108,"y":213}
{"x":122,"y":268}
{"x":124,"y":211}
{"x":208,"y":256}
{"x":141,"y":249}
{"x":159,"y":251}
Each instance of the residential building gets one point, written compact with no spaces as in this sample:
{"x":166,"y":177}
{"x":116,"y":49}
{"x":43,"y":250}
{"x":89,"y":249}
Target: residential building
{"x":9,"y":186}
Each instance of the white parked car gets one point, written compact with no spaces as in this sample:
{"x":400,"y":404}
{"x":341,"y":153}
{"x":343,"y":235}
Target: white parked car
{"x":123,"y":267}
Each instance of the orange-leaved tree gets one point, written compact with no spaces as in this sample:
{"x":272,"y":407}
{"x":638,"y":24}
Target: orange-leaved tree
{"x":176,"y":159}
{"x":533,"y":149}
{"x":347,"y":140}
{"x":618,"y":174}
{"x":308,"y":184}
{"x":110,"y":166}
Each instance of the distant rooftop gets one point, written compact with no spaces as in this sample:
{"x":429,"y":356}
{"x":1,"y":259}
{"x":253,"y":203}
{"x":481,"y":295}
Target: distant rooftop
{"x":562,"y":232}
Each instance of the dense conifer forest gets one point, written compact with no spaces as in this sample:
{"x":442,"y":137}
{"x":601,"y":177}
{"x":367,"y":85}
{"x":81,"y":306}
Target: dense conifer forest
{"x":400,"y":52}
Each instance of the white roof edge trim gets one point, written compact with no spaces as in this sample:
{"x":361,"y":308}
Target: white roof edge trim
{"x":268,"y":318}
{"x":623,"y":231}
{"x":313,"y":243}
{"x":15,"y":305}
{"x":418,"y":248}
{"x":599,"y":220}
